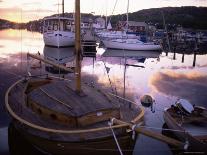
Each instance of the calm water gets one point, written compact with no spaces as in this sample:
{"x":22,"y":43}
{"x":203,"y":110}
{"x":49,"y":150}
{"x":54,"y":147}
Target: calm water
{"x":159,"y":75}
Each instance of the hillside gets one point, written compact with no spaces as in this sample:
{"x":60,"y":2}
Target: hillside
{"x":188,"y":17}
{"x":5,"y":23}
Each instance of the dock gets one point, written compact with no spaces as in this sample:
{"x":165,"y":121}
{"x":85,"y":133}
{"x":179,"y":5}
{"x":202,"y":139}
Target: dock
{"x":88,"y":44}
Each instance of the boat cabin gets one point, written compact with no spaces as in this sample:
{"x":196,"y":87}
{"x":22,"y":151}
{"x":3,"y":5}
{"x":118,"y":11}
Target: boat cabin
{"x":58,"y":24}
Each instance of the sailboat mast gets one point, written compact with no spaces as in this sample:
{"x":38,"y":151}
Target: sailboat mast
{"x":106,"y":14}
{"x":127,"y":15}
{"x":63,"y":8}
{"x":77,"y":46}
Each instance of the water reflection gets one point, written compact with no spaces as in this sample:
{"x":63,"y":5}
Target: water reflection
{"x":18,"y":145}
{"x":191,"y":85}
{"x":131,"y":54}
{"x":161,"y":76}
{"x":62,"y":56}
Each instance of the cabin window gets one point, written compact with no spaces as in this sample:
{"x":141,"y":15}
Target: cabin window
{"x":49,"y":27}
{"x":55,"y":27}
{"x":68,"y":27}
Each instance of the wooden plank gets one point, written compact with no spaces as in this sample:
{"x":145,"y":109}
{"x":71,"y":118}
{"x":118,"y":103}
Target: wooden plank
{"x":98,"y":116}
{"x":54,"y":98}
{"x":151,"y":134}
{"x":50,"y":62}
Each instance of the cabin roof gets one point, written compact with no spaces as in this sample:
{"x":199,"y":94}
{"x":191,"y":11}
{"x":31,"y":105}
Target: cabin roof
{"x":65,"y":92}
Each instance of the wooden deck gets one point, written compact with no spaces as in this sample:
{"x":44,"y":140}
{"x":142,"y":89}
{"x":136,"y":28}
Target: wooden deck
{"x":78,"y":105}
{"x":97,"y":111}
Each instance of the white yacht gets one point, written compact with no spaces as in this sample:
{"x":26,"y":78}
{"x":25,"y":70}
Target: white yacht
{"x":131,"y":44}
{"x":59,"y":31}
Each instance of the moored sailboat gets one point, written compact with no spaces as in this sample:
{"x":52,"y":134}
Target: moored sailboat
{"x":129,"y":41}
{"x":131,"y":44}
{"x":60,"y":116}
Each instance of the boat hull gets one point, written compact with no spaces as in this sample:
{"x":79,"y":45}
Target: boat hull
{"x":126,"y":46}
{"x":50,"y":131}
{"x":100,"y":146}
{"x":59,"y":38}
{"x":194,"y":144}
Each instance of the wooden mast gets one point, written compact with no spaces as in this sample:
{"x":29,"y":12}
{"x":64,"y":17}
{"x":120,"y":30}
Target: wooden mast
{"x":63,"y":8}
{"x":77,"y":46}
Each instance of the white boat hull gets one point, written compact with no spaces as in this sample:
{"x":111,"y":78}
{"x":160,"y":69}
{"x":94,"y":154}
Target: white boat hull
{"x":127,"y":46}
{"x":59,"y":38}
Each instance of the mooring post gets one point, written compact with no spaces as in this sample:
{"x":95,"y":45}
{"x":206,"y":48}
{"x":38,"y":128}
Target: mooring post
{"x":183,"y":56}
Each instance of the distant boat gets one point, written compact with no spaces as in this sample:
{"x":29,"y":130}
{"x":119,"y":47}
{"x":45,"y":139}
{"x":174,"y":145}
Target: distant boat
{"x":130,"y":41}
{"x":58,"y":32}
{"x":116,"y":35}
{"x":131,"y":44}
{"x":188,"y":123}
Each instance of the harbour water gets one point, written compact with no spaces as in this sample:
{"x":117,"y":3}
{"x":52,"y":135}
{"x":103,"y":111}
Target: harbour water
{"x":159,"y":75}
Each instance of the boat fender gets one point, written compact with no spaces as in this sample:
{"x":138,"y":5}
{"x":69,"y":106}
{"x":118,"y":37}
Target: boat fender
{"x":186,"y":145}
{"x":133,"y":131}
{"x":112,"y":121}
{"x":148,"y":101}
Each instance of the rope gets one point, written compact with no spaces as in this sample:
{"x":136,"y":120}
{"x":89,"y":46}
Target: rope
{"x":117,"y":143}
{"x":56,"y":99}
{"x":113,"y":10}
{"x":115,"y":91}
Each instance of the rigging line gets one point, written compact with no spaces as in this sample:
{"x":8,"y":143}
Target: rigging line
{"x":21,"y":69}
{"x":113,"y":10}
{"x":124,"y":92}
{"x":159,"y":118}
{"x":164,"y":24}
{"x":110,"y":79}
{"x":117,"y":143}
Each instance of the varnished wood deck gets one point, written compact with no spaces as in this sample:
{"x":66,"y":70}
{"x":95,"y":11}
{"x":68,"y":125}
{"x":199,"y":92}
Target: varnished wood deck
{"x":17,"y":100}
{"x":78,"y":105}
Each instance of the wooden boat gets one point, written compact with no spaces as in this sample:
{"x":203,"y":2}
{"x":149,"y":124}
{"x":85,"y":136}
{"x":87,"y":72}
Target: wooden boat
{"x":189,"y":124}
{"x":60,"y":116}
{"x":52,"y":117}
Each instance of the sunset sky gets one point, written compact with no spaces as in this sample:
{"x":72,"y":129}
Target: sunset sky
{"x":26,"y":10}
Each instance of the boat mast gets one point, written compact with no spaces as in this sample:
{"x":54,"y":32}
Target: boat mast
{"x":127,"y":15}
{"x":63,"y":8}
{"x":77,"y":46}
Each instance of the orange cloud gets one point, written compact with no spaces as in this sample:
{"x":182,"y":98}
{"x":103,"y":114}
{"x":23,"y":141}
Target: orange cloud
{"x":17,"y":14}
